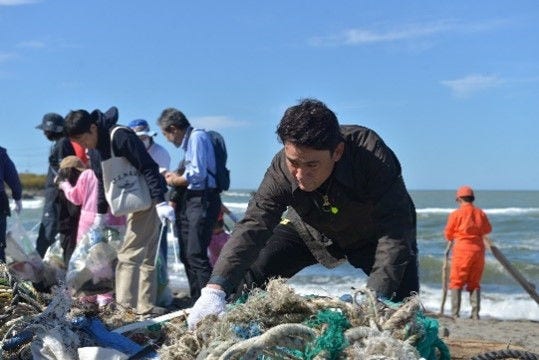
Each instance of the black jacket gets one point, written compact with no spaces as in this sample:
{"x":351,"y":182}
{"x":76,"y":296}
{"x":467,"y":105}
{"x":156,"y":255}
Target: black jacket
{"x":127,"y":144}
{"x":59,"y":150}
{"x":373,"y":205}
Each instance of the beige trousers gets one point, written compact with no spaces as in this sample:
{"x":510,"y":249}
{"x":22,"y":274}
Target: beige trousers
{"x":136,"y":276}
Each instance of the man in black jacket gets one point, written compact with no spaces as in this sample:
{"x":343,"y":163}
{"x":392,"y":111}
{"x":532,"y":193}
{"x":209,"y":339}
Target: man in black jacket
{"x":346,"y":200}
{"x":52,"y":125}
{"x":136,"y":276}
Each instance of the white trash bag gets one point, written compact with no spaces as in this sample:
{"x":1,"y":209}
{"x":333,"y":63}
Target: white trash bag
{"x":91,"y":267}
{"x":21,"y":254}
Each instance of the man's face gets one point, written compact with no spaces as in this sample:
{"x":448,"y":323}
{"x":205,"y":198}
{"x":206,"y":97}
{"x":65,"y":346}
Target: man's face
{"x":310,"y":167}
{"x":173,"y":135}
{"x":88,"y":140}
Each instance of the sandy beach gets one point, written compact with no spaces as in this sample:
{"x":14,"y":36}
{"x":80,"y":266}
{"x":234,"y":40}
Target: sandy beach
{"x":467,"y":338}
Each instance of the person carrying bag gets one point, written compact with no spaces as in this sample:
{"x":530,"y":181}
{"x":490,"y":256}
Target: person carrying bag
{"x":136,"y":275}
{"x":126,"y":189}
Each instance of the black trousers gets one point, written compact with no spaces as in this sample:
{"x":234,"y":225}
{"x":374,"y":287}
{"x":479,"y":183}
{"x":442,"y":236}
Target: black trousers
{"x":4,"y":213}
{"x":49,"y":221}
{"x":3,"y":224}
{"x":286,"y":254}
{"x":198,"y":215}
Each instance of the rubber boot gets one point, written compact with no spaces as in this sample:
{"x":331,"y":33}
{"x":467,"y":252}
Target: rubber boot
{"x":455,"y":302}
{"x":475,"y":302}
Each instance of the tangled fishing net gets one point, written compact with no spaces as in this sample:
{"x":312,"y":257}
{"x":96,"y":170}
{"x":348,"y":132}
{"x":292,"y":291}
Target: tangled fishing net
{"x":275,"y":323}
{"x":279,"y":324}
{"x":33,"y":325}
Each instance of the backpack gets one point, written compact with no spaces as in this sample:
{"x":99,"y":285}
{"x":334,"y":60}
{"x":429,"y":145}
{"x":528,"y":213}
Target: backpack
{"x":222,"y":177}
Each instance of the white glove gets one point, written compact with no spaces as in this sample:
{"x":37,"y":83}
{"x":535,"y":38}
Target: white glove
{"x":99,"y":221}
{"x":18,"y":206}
{"x":165,"y":211}
{"x":210,"y":302}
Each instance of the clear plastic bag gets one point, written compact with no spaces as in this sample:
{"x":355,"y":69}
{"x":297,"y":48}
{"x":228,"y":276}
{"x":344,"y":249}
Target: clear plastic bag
{"x":54,"y":266}
{"x":91,"y":267}
{"x":21,"y":255}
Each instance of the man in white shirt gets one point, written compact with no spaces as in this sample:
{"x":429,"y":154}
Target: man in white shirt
{"x":158,"y":153}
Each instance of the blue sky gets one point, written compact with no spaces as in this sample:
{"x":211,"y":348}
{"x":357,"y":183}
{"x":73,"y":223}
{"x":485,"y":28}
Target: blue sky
{"x":451,"y":86}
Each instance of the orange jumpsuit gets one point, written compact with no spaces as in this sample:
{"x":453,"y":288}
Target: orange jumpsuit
{"x":466,"y":226}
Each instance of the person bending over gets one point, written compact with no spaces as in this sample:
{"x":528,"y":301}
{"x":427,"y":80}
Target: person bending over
{"x":345,"y":199}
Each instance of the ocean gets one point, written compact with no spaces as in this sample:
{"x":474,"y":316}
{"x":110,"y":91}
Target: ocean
{"x":515,"y":220}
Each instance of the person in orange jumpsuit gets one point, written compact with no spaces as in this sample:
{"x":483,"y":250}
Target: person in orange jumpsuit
{"x":467,"y":228}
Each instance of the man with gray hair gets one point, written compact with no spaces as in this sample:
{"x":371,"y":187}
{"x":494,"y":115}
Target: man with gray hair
{"x":201,"y":202}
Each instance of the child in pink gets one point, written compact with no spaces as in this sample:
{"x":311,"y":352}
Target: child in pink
{"x":84,"y":193}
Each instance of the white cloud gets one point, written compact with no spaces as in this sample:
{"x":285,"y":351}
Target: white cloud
{"x":17,"y":2}
{"x":358,"y":36}
{"x":361,"y":36}
{"x":32,"y":44}
{"x":468,"y":85}
{"x":216,"y":122}
{"x":6,"y":57}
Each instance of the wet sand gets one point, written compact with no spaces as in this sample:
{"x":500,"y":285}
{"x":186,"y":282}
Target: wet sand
{"x":466,"y":337}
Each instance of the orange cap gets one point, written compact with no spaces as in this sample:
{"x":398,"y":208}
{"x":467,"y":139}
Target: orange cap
{"x":464,"y":191}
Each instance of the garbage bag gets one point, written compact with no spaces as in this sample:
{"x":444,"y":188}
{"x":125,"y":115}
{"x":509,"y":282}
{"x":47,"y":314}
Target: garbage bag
{"x":21,"y":255}
{"x":54,"y":270}
{"x":91,"y":267}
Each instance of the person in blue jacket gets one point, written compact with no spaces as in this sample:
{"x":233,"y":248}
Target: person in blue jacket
{"x":10,"y":176}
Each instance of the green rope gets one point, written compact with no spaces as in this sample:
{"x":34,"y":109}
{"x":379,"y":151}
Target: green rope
{"x":242,"y":299}
{"x":430,"y":341}
{"x":332,"y":340}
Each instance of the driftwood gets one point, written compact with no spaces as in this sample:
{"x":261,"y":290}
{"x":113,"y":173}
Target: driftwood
{"x":526,"y":285}
{"x":466,"y":349}
{"x":445,"y":275}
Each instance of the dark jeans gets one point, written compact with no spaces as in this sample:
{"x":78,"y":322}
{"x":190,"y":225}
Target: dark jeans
{"x":286,"y":254}
{"x":49,"y":222}
{"x":198,"y":216}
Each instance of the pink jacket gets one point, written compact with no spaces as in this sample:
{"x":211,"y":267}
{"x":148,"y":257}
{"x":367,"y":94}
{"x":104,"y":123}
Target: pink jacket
{"x":84,"y":193}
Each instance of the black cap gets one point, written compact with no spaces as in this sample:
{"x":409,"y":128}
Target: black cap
{"x":52,"y":122}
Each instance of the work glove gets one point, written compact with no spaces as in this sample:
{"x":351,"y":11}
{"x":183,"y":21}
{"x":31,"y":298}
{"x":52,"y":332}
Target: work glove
{"x":165,"y":212}
{"x":210,"y":302}
{"x":18,"y":206}
{"x":99,"y":221}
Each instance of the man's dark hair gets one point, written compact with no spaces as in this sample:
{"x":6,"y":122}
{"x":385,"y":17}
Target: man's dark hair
{"x":172,"y":117}
{"x":310,"y":123}
{"x":78,"y":122}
